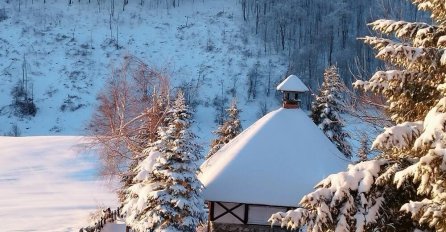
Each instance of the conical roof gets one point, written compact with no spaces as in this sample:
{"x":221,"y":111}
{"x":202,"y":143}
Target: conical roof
{"x":276,"y":161}
{"x":293,"y":84}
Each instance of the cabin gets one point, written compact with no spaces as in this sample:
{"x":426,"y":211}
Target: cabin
{"x":268,"y":167}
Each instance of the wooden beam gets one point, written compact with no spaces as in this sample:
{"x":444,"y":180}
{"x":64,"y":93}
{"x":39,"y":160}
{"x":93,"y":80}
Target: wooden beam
{"x":251,"y":204}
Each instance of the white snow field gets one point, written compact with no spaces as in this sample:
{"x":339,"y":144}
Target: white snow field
{"x":49,"y":184}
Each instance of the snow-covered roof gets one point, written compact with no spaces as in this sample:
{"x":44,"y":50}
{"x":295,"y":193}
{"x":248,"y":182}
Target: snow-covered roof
{"x":292,"y":83}
{"x":276,"y":161}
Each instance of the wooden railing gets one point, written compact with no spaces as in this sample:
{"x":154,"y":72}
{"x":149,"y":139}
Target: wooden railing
{"x":109,"y":216}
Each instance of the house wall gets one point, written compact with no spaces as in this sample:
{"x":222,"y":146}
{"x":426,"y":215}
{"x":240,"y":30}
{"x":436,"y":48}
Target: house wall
{"x":259,"y":215}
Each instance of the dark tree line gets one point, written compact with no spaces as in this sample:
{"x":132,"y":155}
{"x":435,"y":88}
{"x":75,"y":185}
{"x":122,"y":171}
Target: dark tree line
{"x":318,"y":33}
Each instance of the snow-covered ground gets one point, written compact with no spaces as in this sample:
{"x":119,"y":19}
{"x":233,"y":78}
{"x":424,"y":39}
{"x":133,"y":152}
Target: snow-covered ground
{"x":49,"y":184}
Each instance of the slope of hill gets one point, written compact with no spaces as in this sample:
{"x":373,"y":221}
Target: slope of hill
{"x":68,"y":51}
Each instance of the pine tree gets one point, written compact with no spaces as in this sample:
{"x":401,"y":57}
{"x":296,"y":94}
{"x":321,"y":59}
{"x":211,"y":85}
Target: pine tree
{"x":145,"y":137}
{"x":363,"y":151}
{"x":229,"y":130}
{"x":403,"y":188}
{"x":326,"y":108}
{"x":166,"y":194}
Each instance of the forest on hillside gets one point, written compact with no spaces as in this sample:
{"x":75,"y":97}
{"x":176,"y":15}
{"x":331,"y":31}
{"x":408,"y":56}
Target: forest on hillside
{"x":315,"y":34}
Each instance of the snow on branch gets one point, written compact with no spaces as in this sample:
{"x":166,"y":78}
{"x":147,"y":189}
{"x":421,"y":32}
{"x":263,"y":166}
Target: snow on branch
{"x":146,"y":166}
{"x":398,"y":137}
{"x":404,"y":54}
{"x":424,"y":172}
{"x":377,"y":43}
{"x":434,"y":127}
{"x":428,"y":173}
{"x":387,"y":80}
{"x":422,"y":34}
{"x":436,"y":7}
{"x":441,"y":42}
{"x":345,"y":198}
{"x":428,"y":212}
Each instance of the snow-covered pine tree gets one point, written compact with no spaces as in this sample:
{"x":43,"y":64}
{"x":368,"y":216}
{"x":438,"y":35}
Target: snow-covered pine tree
{"x":364,"y":149}
{"x":166,"y":194}
{"x":326,"y":108}
{"x":403,"y":188}
{"x":154,"y":119}
{"x":230,"y":128}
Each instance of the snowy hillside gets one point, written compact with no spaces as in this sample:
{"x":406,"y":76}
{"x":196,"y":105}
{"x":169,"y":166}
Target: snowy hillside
{"x":47,"y":185}
{"x":68,"y":51}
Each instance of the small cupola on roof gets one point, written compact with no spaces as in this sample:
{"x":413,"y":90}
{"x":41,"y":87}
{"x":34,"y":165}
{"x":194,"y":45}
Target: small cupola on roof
{"x":291,"y":87}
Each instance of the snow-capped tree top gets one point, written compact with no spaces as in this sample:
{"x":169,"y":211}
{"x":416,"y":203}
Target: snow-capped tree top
{"x":326,"y":109}
{"x":226,"y":132}
{"x":292,"y":84}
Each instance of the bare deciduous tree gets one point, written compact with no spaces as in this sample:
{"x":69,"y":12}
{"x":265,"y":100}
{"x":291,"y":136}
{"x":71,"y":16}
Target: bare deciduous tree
{"x":131,"y":107}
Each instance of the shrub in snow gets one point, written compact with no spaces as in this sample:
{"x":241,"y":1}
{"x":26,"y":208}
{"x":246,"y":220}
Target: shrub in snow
{"x":166,"y":194}
{"x":3,"y":15}
{"x":326,"y":108}
{"x":22,"y":104}
{"x":230,"y":128}
{"x":70,"y":103}
{"x":402,"y":189}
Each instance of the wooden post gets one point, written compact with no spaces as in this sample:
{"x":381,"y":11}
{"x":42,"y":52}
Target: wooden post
{"x":211,"y":215}
{"x":245,"y":218}
{"x":211,"y":211}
